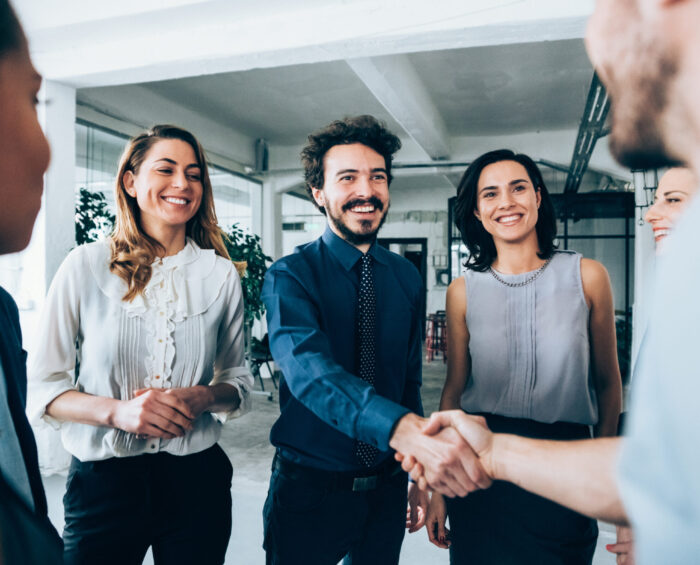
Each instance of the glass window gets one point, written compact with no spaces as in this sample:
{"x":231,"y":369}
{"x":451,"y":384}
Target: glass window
{"x":97,"y":154}
{"x":234,"y":199}
{"x":301,"y":221}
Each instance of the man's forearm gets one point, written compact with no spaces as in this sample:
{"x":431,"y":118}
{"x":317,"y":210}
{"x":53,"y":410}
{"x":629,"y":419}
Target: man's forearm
{"x":577,"y":474}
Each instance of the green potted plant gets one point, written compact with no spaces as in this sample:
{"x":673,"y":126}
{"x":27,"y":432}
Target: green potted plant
{"x":92,"y":216}
{"x":245,"y":250}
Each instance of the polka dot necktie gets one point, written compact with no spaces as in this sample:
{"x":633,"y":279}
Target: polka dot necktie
{"x":366,"y":342}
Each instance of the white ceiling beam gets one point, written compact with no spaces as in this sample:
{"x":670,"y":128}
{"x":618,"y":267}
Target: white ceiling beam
{"x":395,"y":84}
{"x":79,"y":43}
{"x":220,"y":140}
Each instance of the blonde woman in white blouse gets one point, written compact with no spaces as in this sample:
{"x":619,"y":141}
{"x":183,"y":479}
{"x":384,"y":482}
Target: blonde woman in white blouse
{"x":156,"y":312}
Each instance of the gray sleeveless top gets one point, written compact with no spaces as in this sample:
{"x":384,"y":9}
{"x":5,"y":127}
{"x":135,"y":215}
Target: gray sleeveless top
{"x":529,"y":346}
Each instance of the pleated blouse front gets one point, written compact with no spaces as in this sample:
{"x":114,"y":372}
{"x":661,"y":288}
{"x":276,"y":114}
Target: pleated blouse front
{"x":529,"y":344}
{"x":186,"y":329}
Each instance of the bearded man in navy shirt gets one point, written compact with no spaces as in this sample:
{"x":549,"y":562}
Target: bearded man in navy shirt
{"x":344,"y":319}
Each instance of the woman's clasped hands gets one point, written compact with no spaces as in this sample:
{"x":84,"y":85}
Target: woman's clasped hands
{"x":162,"y":413}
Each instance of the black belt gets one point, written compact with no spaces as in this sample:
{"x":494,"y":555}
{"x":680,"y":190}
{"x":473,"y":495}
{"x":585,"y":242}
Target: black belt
{"x":335,"y":480}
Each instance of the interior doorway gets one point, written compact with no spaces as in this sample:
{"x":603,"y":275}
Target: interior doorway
{"x":415,"y":249}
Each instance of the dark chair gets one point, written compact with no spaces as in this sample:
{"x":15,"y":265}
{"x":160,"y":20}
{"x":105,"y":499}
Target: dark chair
{"x":258,"y":356}
{"x":436,"y":336}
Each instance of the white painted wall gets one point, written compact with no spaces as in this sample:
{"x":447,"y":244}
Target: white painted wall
{"x":435,"y":234}
{"x":425,"y":198}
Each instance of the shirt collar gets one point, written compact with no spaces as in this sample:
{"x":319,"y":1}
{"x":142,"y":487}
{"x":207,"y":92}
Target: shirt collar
{"x":348,"y":254}
{"x":185,"y":256}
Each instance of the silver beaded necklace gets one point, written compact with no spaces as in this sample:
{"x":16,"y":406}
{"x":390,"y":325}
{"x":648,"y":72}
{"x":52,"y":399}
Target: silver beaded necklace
{"x":527,"y":281}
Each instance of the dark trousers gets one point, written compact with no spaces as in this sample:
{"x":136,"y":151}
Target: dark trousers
{"x":314,"y":517}
{"x":178,"y":505}
{"x":506,"y":525}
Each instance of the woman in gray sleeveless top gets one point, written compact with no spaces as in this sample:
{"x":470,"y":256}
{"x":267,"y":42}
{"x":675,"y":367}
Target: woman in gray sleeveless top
{"x":531,"y":346}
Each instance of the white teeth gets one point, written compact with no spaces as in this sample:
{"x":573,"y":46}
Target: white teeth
{"x":661,"y":233}
{"x":175,"y":200}
{"x":508,"y":219}
{"x":363,"y":209}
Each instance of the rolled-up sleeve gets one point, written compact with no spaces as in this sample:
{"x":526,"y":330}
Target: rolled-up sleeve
{"x":303,"y":351}
{"x":230,"y":366}
{"x":52,"y":364}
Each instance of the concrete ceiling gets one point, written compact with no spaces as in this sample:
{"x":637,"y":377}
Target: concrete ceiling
{"x":452,"y":79}
{"x":282,"y":105}
{"x":490,"y":90}
{"x":510,"y":88}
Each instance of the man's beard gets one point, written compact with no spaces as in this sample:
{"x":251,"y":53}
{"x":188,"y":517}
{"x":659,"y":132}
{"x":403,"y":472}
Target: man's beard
{"x":638,"y":110}
{"x":366,"y":233}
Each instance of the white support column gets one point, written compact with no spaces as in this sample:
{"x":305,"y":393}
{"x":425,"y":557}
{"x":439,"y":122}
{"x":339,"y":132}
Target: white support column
{"x":644,"y":254}
{"x":271,"y":219}
{"x":58,"y":120}
{"x":274,"y":186}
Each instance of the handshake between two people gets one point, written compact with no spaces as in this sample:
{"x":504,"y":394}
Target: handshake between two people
{"x":450,"y":453}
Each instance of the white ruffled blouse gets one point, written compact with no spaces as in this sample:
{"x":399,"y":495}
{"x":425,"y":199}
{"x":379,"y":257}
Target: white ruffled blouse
{"x":185,"y":329}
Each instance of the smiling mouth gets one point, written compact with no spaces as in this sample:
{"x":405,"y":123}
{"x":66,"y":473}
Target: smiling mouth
{"x":175,"y":200}
{"x":368,"y":206}
{"x":660,"y":234}
{"x":363,"y":209}
{"x":510,"y":219}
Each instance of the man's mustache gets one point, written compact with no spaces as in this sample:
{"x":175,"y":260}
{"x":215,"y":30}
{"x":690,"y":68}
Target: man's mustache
{"x":373,"y":200}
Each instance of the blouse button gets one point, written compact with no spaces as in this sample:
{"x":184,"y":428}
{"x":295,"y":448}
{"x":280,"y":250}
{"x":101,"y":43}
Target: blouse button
{"x":160,"y":341}
{"x":162,"y":313}
{"x":157,"y":376}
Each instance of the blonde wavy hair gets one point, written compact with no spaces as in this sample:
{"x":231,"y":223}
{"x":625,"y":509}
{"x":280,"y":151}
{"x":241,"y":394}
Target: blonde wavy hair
{"x":133,"y":251}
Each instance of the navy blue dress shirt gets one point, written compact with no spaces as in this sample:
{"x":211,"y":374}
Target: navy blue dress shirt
{"x":311,"y":302}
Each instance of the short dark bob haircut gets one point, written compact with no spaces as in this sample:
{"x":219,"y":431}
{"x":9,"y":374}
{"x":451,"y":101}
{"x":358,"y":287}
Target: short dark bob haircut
{"x":11,"y":35}
{"x":365,"y":129}
{"x":482,"y":250}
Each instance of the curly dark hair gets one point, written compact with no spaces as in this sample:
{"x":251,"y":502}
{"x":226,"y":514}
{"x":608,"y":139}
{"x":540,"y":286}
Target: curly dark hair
{"x":481,"y":247}
{"x":11,"y":35}
{"x":365,"y":129}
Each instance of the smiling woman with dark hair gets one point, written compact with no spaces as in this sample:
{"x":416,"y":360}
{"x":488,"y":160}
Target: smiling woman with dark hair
{"x":479,"y":241}
{"x":531,"y":347}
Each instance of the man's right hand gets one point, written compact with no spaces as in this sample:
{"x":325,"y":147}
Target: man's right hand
{"x":448,"y":464}
{"x":473,"y":430}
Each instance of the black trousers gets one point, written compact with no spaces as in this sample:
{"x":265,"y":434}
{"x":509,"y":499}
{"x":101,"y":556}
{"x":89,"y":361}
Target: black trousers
{"x":314,"y":517}
{"x":506,"y":525}
{"x":179,"y":505}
